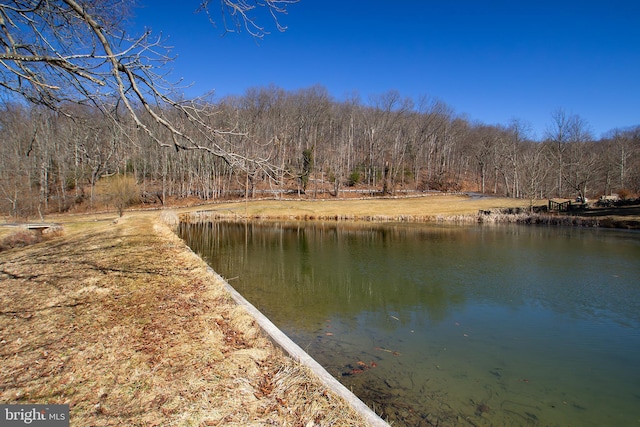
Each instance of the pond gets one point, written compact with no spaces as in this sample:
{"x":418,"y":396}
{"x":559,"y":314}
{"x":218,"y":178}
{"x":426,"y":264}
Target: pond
{"x":428,"y":325}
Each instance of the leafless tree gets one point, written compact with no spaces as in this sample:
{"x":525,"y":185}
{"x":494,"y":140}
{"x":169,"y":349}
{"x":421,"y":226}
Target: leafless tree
{"x":621,"y":148}
{"x":584,"y":164}
{"x":516,"y":134}
{"x":15,"y":170}
{"x":564,"y":129}
{"x":483,"y":142}
{"x":533,"y":171}
{"x":54,"y":158}
{"x":53,"y":52}
{"x":436,"y":133}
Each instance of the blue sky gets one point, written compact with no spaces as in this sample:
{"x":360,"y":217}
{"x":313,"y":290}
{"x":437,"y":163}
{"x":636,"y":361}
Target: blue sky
{"x":490,"y":61}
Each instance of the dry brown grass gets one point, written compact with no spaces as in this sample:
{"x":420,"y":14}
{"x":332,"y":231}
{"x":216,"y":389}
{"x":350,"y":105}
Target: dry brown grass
{"x":427,"y":208}
{"x":5,"y":231}
{"x":19,"y":239}
{"x":18,"y":236}
{"x":121,"y":321}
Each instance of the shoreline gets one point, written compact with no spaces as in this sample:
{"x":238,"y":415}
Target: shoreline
{"x":120,"y":319}
{"x":480,"y":218}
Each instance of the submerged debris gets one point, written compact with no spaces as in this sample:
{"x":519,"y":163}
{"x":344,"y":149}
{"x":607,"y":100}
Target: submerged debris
{"x":481,"y":409}
{"x":359,"y":368}
{"x":395,"y":353}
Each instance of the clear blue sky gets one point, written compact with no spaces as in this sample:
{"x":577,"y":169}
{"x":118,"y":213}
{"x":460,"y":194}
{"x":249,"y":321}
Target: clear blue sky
{"x":490,"y":61}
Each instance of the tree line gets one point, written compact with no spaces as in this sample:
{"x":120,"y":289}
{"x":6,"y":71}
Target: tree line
{"x":302,"y":142}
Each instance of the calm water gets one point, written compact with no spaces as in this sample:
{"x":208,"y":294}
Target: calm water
{"x":469,"y":325}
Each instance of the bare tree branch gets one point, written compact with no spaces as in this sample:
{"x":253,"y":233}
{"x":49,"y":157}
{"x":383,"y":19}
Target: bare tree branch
{"x":60,"y":51}
{"x":237,"y":14}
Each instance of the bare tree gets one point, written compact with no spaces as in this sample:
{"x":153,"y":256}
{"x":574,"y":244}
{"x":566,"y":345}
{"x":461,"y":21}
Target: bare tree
{"x":59,"y":51}
{"x":583,"y":165}
{"x":618,"y":156}
{"x":484,"y":140}
{"x":565,"y":129}
{"x":17,"y":164}
{"x":437,"y":131}
{"x":533,"y":171}
{"x":516,"y":134}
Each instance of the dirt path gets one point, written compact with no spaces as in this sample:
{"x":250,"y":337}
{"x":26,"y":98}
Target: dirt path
{"x":121,"y":321}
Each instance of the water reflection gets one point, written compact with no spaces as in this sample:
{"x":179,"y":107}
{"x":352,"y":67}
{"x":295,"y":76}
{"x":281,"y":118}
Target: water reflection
{"x":474,"y":323}
{"x":338,"y":269}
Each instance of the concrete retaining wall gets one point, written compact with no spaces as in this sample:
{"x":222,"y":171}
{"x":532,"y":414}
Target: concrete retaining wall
{"x":298,"y":354}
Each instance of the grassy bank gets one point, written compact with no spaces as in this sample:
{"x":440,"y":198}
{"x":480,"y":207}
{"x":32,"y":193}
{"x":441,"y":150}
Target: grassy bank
{"x":420,"y":209}
{"x":117,"y":318}
{"x":433,"y":208}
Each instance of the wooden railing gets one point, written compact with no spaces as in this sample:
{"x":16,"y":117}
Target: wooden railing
{"x":559,"y":206}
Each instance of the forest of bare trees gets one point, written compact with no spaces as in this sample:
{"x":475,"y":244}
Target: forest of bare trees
{"x":308,"y":144}
{"x":87,"y":121}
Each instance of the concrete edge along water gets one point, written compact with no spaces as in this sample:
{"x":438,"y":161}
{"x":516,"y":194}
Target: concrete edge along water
{"x":297,"y":353}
